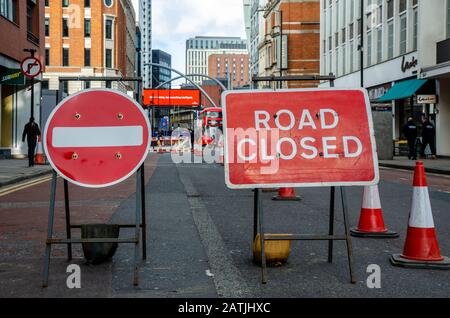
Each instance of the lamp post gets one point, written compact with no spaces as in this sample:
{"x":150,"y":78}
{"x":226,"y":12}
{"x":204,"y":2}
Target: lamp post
{"x":32,"y":52}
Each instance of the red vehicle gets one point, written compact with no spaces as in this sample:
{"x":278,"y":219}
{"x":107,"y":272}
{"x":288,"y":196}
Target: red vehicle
{"x":212,"y":124}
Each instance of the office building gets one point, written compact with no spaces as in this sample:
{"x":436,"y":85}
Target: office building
{"x":161,"y":75}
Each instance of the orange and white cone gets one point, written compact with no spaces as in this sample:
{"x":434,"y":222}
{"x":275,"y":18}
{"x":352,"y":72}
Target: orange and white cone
{"x":371,"y":222}
{"x":421,"y":247}
{"x":286,"y":194}
{"x":39,"y":158}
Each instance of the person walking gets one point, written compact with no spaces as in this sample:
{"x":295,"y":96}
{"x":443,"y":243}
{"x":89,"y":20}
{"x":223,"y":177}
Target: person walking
{"x":410,"y":132}
{"x":428,"y":138}
{"x":31,"y":132}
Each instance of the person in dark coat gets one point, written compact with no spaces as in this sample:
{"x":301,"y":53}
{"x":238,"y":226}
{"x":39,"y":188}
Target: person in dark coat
{"x":410,"y":132}
{"x":428,"y":138}
{"x":31,"y":132}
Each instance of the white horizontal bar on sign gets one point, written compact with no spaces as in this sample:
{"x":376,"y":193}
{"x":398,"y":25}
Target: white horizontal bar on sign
{"x":83,"y":137}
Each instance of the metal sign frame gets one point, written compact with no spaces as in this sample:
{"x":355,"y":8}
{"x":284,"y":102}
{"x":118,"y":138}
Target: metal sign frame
{"x":258,"y":211}
{"x":140,"y":213}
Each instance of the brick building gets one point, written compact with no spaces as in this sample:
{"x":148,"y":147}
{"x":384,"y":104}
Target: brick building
{"x":90,"y":38}
{"x":21,"y":27}
{"x":291,"y":45}
{"x":233,"y":67}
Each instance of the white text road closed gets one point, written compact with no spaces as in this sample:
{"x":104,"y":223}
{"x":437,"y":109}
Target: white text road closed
{"x":299,"y":138}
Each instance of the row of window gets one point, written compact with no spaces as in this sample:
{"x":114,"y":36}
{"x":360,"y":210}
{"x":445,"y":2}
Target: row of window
{"x":87,"y":57}
{"x":87,"y":28}
{"x":87,"y":3}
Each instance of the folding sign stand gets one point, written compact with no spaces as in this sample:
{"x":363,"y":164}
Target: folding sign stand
{"x":258,"y":217}
{"x":140,"y":219}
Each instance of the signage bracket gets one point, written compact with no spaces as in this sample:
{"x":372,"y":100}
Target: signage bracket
{"x":258,"y":215}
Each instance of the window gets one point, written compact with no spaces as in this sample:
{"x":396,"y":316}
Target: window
{"x":379,"y":45}
{"x":47,"y":56}
{"x":66,"y":87}
{"x":30,"y":8}
{"x":65,"y":27}
{"x":369,"y":48}
{"x":108,"y":30}
{"x":87,"y":57}
{"x":108,"y":58}
{"x":65,"y":3}
{"x":87,"y":3}
{"x":448,"y":18}
{"x":108,"y":84}
{"x":390,"y":39}
{"x":87,"y":85}
{"x":65,"y":56}
{"x":351,"y":56}
{"x":402,"y":6}
{"x":47,"y":27}
{"x":415,"y":28}
{"x":390,"y":9}
{"x":403,"y":31}
{"x":87,"y":28}
{"x":46,"y":3}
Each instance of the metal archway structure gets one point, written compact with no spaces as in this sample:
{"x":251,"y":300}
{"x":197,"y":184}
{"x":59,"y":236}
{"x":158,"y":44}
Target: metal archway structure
{"x":193,"y":75}
{"x":187,"y":79}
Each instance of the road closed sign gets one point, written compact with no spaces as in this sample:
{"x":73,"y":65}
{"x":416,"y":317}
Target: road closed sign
{"x":97,"y":138}
{"x":299,"y":138}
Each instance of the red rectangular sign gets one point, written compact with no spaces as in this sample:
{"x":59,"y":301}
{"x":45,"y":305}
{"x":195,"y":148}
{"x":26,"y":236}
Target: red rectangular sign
{"x":299,"y":138}
{"x":172,"y":97}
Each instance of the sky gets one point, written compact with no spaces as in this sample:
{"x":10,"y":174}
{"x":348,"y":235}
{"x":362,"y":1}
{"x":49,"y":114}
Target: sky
{"x":174,"y":21}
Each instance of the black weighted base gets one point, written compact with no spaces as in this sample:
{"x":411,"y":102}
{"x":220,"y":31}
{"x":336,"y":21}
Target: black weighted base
{"x":378,"y":235}
{"x":398,"y":260}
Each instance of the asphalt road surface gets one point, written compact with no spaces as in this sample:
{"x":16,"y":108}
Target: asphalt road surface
{"x":200,"y":239}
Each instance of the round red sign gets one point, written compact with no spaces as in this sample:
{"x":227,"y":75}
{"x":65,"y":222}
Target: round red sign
{"x":97,"y":138}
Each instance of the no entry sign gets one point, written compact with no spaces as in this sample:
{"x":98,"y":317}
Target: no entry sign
{"x":299,"y":138}
{"x":31,"y":67}
{"x":97,"y":138}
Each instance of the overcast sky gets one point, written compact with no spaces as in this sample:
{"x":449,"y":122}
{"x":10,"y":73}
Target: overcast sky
{"x":174,"y":21}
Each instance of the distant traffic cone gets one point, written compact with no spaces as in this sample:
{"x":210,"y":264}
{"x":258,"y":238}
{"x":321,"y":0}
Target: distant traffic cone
{"x":286,"y":194}
{"x":371,"y":223}
{"x":39,"y":158}
{"x":421,"y":247}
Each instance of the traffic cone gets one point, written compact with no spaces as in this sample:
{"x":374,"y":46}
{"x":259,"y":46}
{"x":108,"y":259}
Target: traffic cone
{"x":39,"y":158}
{"x":286,"y":194}
{"x":421,"y":247}
{"x":371,"y":223}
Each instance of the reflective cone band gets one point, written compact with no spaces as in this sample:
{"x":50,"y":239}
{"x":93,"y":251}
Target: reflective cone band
{"x":371,"y":222}
{"x":39,"y":157}
{"x":421,"y":246}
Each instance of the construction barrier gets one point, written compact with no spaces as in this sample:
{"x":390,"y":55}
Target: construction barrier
{"x":421,"y":248}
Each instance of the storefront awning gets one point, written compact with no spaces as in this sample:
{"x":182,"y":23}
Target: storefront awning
{"x":402,"y":90}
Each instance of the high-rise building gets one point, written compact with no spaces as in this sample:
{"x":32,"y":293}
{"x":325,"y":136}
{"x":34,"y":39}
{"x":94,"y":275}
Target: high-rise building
{"x":145,"y":23}
{"x":405,"y":56}
{"x":255,"y":27}
{"x":199,"y":49}
{"x":21,"y":27}
{"x":291,"y":40}
{"x":90,"y":38}
{"x":161,"y":75}
{"x":233,"y":67}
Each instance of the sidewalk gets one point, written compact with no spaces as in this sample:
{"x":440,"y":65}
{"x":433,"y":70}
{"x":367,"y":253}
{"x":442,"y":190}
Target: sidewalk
{"x":439,"y":166}
{"x":16,"y":170}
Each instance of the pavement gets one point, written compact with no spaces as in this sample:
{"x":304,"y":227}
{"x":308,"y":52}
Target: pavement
{"x":200,"y":239}
{"x":439,"y":166}
{"x":17,"y":170}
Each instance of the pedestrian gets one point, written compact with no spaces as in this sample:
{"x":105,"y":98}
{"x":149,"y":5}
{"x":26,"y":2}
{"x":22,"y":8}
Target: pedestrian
{"x":32,"y":132}
{"x":410,"y":132}
{"x":428,"y":138}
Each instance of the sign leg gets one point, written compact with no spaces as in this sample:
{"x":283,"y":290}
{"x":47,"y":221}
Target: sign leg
{"x":51,"y":217}
{"x":262,"y":241}
{"x":255,"y":213}
{"x":144,"y":223}
{"x":68,"y":226}
{"x":347,"y":235}
{"x":137,"y":229}
{"x":331,"y":224}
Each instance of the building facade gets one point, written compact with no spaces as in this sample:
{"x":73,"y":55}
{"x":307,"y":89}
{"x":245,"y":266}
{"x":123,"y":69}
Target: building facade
{"x":90,"y":38}
{"x":255,"y":30}
{"x":21,"y":27}
{"x":161,"y":75}
{"x":233,"y":67}
{"x":145,"y":25}
{"x":199,"y":49}
{"x":399,"y":44}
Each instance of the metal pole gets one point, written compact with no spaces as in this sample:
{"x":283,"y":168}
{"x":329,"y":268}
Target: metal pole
{"x":281,"y":46}
{"x":331,"y":224}
{"x":347,"y":235}
{"x":32,"y":98}
{"x":144,"y":222}
{"x":361,"y":47}
{"x":262,"y":240}
{"x":255,"y":213}
{"x":68,"y":227}
{"x":137,"y":229}
{"x":51,"y":217}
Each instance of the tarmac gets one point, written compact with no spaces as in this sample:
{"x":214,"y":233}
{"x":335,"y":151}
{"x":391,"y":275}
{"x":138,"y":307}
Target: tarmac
{"x":16,"y":170}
